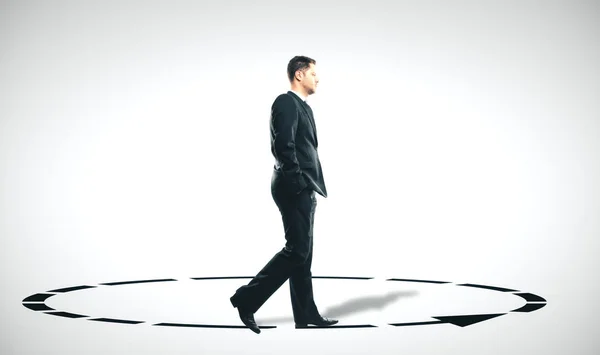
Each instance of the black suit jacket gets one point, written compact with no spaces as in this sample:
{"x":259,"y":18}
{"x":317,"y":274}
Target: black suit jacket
{"x":294,"y":144}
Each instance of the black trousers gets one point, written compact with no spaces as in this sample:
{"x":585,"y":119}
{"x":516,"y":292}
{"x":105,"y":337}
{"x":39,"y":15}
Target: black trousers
{"x":293,"y":262}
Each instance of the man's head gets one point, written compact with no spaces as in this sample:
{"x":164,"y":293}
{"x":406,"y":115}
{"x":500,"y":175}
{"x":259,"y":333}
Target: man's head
{"x":302,"y":75}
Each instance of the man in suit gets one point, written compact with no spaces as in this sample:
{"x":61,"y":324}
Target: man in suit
{"x":296,"y":177}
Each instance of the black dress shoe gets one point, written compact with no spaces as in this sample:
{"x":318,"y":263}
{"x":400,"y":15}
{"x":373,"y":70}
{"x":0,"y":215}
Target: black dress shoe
{"x":321,"y":322}
{"x":248,"y":320}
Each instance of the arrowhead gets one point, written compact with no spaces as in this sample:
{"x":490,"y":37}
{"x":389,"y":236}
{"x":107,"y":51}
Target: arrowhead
{"x":463,"y":321}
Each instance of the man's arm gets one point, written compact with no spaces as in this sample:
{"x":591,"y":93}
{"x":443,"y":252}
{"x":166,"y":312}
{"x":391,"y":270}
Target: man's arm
{"x":284,"y":124}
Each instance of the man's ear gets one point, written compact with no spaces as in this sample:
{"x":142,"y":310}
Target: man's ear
{"x":298,"y":75}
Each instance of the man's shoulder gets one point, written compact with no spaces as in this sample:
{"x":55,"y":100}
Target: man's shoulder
{"x":284,"y":99}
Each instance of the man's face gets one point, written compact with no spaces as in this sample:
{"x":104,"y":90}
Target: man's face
{"x":309,"y":79}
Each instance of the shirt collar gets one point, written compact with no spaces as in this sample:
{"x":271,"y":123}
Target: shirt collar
{"x":300,"y":96}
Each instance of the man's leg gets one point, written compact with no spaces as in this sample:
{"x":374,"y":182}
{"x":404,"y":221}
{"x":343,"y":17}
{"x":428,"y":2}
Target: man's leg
{"x":296,"y":216}
{"x":301,"y":290}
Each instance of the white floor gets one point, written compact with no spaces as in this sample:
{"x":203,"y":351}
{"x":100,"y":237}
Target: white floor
{"x":368,"y":308}
{"x":459,"y":143}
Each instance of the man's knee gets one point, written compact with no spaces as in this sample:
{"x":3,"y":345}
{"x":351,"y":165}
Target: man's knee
{"x":297,"y":255}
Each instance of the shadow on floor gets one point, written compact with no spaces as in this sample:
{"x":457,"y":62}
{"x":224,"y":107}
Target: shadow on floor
{"x":352,"y":306}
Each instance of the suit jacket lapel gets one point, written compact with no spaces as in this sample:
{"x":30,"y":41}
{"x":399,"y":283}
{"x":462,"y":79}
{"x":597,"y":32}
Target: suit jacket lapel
{"x":309,"y":113}
{"x":312,"y":121}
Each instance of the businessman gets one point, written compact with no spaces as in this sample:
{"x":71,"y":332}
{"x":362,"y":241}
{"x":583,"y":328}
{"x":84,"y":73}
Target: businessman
{"x":296,"y":177}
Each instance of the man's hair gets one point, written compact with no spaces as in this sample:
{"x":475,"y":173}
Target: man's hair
{"x":299,"y":62}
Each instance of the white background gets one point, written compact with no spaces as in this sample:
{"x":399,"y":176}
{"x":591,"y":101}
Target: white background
{"x":458,"y":139}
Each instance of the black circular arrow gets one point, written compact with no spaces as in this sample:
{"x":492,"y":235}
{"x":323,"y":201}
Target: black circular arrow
{"x":37,"y":302}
